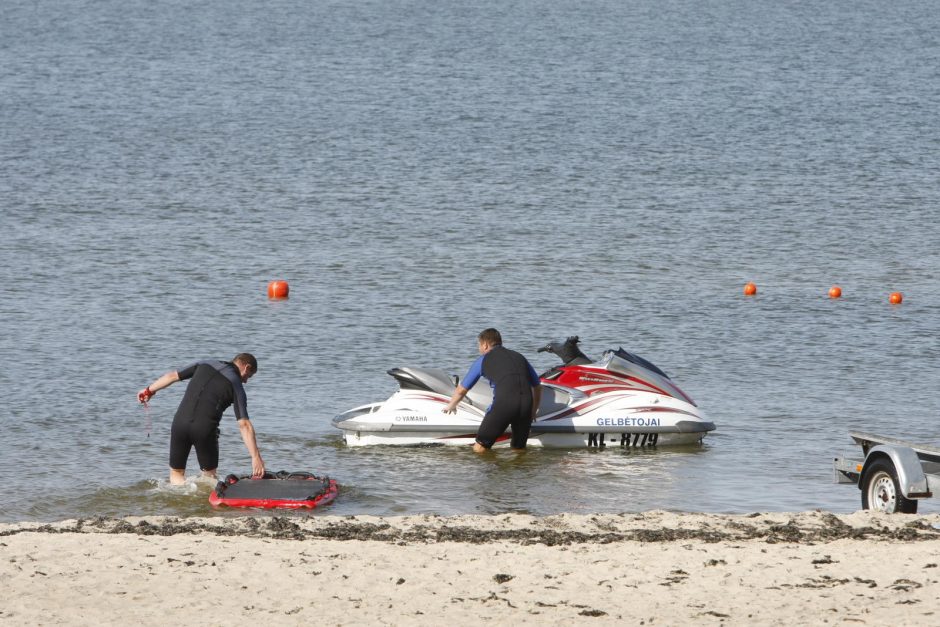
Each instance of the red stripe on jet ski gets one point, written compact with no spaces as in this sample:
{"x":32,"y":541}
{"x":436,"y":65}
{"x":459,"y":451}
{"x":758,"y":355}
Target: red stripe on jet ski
{"x":586,"y":405}
{"x":651,"y":386}
{"x":501,"y":438}
{"x":645,"y":383}
{"x":594,"y":403}
{"x":432,"y":398}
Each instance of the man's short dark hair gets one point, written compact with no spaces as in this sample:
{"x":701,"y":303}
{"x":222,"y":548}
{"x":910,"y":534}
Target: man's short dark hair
{"x":491,"y":337}
{"x":247,"y":359}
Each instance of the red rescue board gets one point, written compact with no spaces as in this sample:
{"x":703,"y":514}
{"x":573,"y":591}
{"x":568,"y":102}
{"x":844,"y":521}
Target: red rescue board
{"x":290,"y":490}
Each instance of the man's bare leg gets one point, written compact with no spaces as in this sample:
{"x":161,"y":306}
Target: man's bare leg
{"x":177,"y":477}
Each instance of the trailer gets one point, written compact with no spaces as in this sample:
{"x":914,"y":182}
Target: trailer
{"x":892,"y":474}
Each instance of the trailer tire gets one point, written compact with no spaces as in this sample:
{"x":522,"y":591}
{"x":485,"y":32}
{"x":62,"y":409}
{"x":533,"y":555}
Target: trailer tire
{"x":881,"y":490}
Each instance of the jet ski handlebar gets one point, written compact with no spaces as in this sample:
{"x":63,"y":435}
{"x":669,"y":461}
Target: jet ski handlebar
{"x":567,"y":350}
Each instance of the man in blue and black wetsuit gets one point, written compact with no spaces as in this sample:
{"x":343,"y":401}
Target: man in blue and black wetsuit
{"x":213,"y":387}
{"x":516,"y":392}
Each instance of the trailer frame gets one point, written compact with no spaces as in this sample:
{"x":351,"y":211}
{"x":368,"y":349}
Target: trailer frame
{"x":893,"y":474}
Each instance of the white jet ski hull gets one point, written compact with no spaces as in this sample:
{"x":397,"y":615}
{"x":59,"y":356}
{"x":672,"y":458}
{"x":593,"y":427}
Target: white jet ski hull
{"x":566,"y":418}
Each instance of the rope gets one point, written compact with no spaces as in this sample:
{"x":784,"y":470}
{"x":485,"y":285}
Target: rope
{"x":148,"y":421}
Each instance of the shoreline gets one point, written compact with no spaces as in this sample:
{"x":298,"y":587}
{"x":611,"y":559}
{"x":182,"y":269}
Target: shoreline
{"x":653,"y":567}
{"x":552,"y":530}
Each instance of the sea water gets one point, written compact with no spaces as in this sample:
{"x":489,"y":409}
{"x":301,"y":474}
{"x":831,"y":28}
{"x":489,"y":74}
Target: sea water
{"x":419,"y":171}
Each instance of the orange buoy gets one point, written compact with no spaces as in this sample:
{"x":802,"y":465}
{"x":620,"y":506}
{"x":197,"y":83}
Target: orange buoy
{"x":895,"y":298}
{"x":278,"y":289}
{"x":750,"y":289}
{"x":835,"y":292}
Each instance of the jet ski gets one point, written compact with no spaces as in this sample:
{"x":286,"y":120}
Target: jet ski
{"x":619,"y":400}
{"x":617,"y":369}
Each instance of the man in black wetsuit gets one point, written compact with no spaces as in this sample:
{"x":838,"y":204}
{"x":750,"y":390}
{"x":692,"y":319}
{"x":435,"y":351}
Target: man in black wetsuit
{"x":516,"y":392}
{"x":215,"y":385}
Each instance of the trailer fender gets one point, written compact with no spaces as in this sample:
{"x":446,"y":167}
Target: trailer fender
{"x":911,"y":477}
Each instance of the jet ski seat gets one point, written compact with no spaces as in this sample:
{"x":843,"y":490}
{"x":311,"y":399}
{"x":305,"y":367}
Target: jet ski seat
{"x":436,"y":380}
{"x":430,"y":379}
{"x":480,"y":395}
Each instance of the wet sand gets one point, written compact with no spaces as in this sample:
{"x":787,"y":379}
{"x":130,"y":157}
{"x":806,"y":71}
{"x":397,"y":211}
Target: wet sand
{"x":644,"y":569}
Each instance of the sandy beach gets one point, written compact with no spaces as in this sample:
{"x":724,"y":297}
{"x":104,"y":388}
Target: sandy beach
{"x":653,"y":568}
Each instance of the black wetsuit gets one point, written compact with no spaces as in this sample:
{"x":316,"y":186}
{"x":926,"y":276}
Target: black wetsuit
{"x":214,"y":386}
{"x":512,"y":379}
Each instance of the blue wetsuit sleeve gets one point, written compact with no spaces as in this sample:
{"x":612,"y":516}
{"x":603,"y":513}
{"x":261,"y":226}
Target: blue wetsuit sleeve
{"x":473,"y":375}
{"x":241,"y":402}
{"x":533,"y":375}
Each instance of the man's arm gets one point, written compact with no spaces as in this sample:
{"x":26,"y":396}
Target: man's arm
{"x":536,"y":400}
{"x":459,"y":393}
{"x":473,"y":375}
{"x":166,"y":380}
{"x":248,"y":437}
{"x":536,"y":384}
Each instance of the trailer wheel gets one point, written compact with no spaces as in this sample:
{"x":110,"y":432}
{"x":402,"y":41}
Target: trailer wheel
{"x":882,"y":492}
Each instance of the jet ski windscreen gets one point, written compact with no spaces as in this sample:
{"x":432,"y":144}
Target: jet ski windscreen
{"x":639,"y":361}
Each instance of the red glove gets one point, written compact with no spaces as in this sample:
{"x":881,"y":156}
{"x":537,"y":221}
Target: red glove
{"x":145,"y":395}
